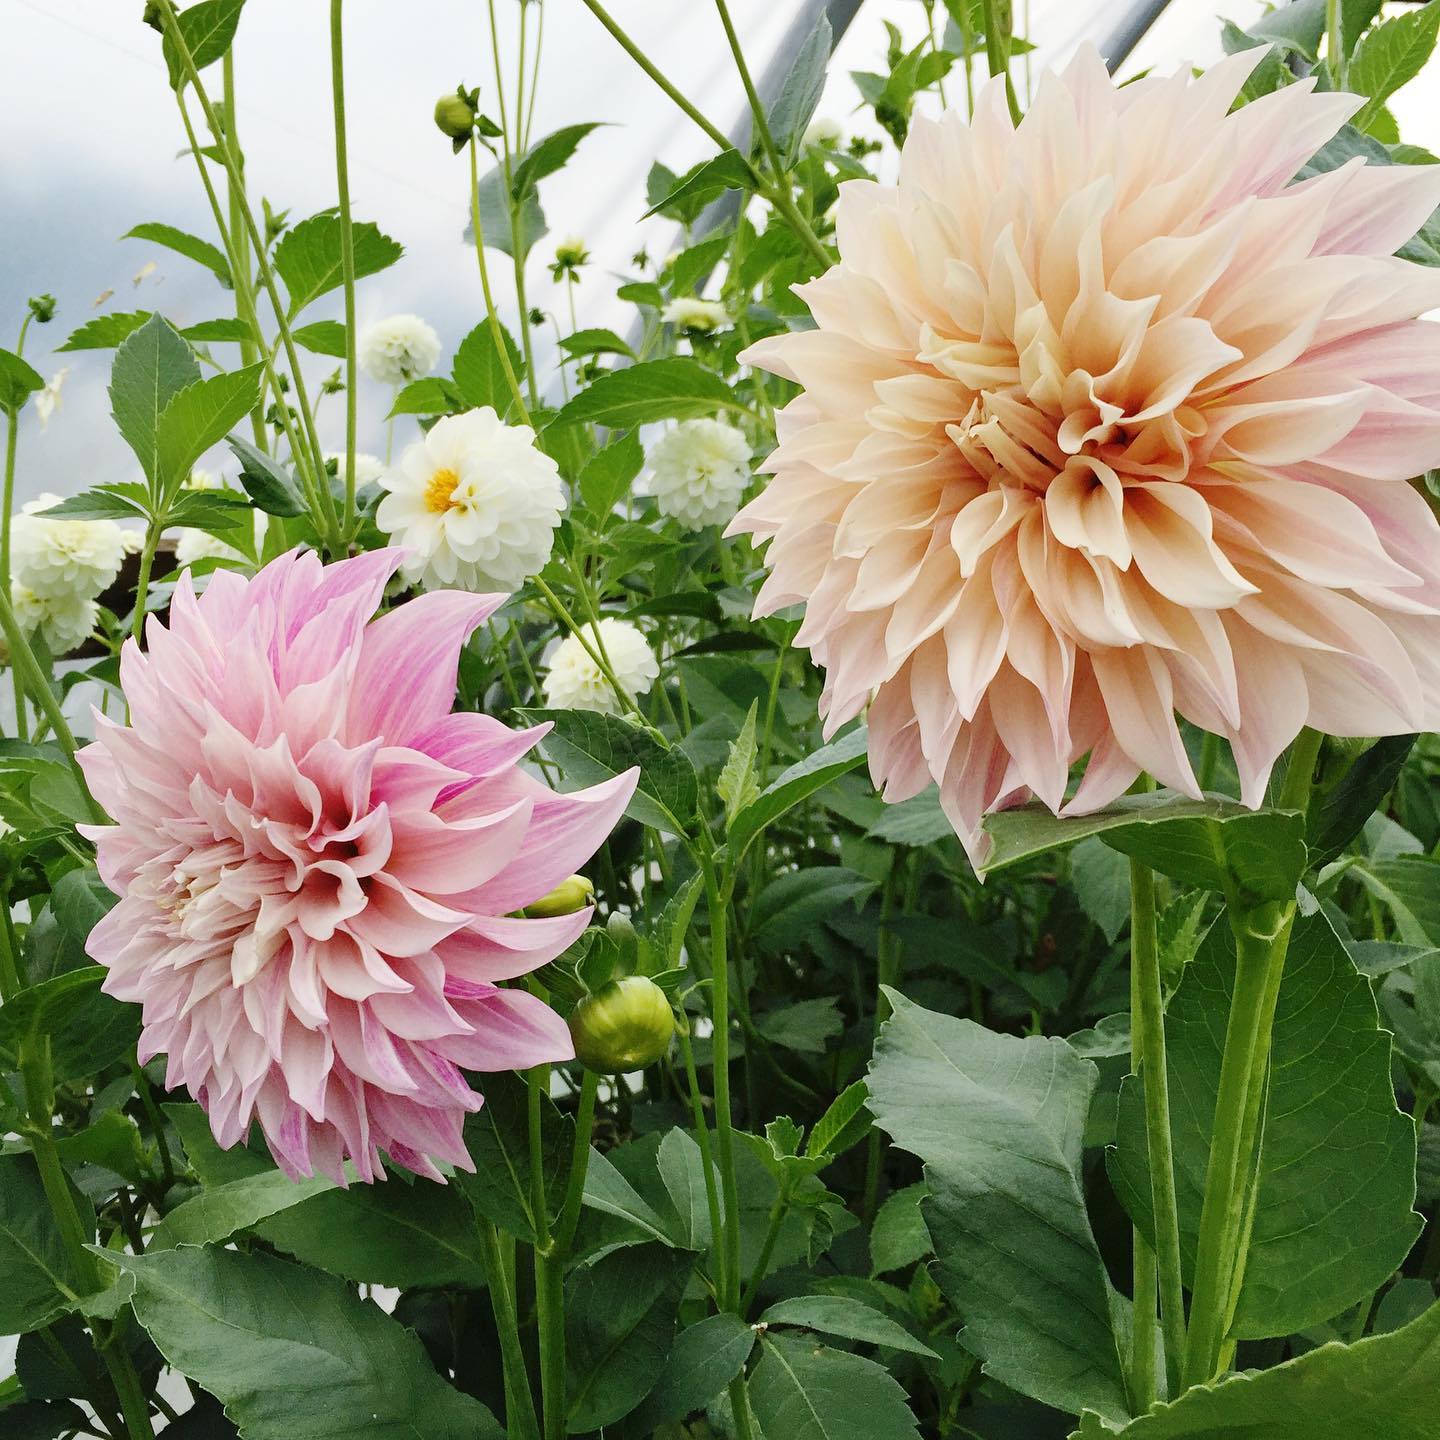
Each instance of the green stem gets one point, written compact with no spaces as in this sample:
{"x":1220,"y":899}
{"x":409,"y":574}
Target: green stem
{"x":316,"y":456}
{"x":717,"y":904}
{"x":12,"y":431}
{"x":520,"y":1420}
{"x":549,"y":1269}
{"x":1148,"y":1058}
{"x":240,"y":258}
{"x":10,"y":982}
{"x":1334,"y":44}
{"x":28,"y":671}
{"x":497,"y":332}
{"x":142,"y":580}
{"x":767,"y":1249}
{"x":569,"y":1219}
{"x":347,"y":255}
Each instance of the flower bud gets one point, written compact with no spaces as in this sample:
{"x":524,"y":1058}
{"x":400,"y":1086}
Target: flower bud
{"x":625,"y":1025}
{"x":565,"y":899}
{"x":42,"y":307}
{"x":455,"y":115}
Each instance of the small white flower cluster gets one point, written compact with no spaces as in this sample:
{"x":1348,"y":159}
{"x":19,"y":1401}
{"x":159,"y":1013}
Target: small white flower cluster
{"x":398,"y":349}
{"x":57,"y":568}
{"x":698,"y":472}
{"x":475,"y":503}
{"x":575,"y":681}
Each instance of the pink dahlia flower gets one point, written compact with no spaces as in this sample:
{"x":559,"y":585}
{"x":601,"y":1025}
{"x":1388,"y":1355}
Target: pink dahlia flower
{"x":1105,"y":420}
{"x":319,"y":865}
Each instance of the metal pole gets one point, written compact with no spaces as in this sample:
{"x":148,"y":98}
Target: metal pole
{"x":1128,"y":33}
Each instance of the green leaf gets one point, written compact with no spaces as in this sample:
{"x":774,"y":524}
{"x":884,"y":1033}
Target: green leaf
{"x":726,"y":171}
{"x":41,"y":1419}
{"x":1212,"y":843}
{"x":797,"y":783}
{"x":801,"y":91}
{"x":1392,"y":54}
{"x":608,"y":1191}
{"x":151,"y":367}
{"x":398,"y":1233}
{"x":40,"y":1272}
{"x":804,"y":1391}
{"x":207,"y":29}
{"x":18,"y":381}
{"x":596,"y":341}
{"x":216,"y":1215}
{"x":917,"y":821}
{"x":620,"y":1311}
{"x":530,"y":225}
{"x":105,"y":332}
{"x":844,"y":1123}
{"x":608,"y":474}
{"x":478,"y":373}
{"x":1006,"y":1207}
{"x":1409,"y":885}
{"x":704,"y":1359}
{"x":87,"y":1030}
{"x":1338,"y":816}
{"x":1100,"y":878}
{"x":432,"y":395}
{"x":1381,"y":1388}
{"x":805,"y":1025}
{"x":682,"y":1170}
{"x":1333,"y":1218}
{"x":846,"y":1317}
{"x":675,"y":388}
{"x":735,"y":784}
{"x":497,"y":1137}
{"x":266,"y":481}
{"x":786,"y":913}
{"x":899,"y":1236}
{"x":590,"y":747}
{"x":123,"y":501}
{"x":199,"y":416}
{"x":183,"y":243}
{"x":308,"y":257}
{"x":322,"y":337}
{"x":546,"y":156}
{"x":226,"y":330}
{"x":294,"y":1354}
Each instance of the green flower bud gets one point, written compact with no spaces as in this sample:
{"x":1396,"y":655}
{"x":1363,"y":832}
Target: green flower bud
{"x":455,"y":115}
{"x":565,"y":899}
{"x":626,"y":1025}
{"x":42,"y":307}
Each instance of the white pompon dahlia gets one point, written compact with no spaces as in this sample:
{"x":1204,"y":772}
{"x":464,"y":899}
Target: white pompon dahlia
{"x":65,"y":621}
{"x":368,"y":468}
{"x":698,"y":316}
{"x":475,"y":504}
{"x":398,"y":349}
{"x":575,"y":681}
{"x":1108,"y":418}
{"x":58,"y":558}
{"x":698,"y":471}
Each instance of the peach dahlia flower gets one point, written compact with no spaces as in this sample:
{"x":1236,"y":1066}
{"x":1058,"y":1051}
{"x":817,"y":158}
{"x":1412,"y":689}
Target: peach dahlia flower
{"x":319,"y":865}
{"x":1105,"y":420}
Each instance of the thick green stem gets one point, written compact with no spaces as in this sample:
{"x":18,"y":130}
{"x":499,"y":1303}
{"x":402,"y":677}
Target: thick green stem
{"x":1143,"y":1392}
{"x":142,"y":580}
{"x":520,"y":1419}
{"x":549,"y":1269}
{"x":1147,"y":1031}
{"x":347,"y":255}
{"x":997,"y":52}
{"x":1334,"y":44}
{"x":12,"y":430}
{"x":240,"y":258}
{"x":569,"y":1220}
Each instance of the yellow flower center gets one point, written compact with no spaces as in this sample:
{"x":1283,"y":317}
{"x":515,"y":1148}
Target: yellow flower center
{"x":440,"y":492}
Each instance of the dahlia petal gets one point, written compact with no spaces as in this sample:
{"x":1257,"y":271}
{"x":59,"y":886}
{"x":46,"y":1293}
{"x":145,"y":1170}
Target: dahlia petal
{"x":511,"y":1031}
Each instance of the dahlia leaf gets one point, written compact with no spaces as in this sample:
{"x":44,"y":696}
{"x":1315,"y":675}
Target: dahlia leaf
{"x":215,"y":1215}
{"x":595,"y":340}
{"x":1392,"y":55}
{"x":478,"y":373}
{"x":704,"y":1359}
{"x":899,"y":1237}
{"x":528,"y":226}
{"x":546,"y":156}
{"x":86,"y":1030}
{"x":607,"y":476}
{"x":192,"y":247}
{"x":800,"y":93}
{"x":675,"y":388}
{"x":794,"y":785}
{"x":294,"y":1354}
{"x":848,"y":1318}
{"x":804,"y":1391}
{"x":434,"y":395}
{"x":736,"y":785}
{"x":1333,"y":1216}
{"x":207,"y":29}
{"x":323,"y":337}
{"x":152,"y":365}
{"x":40,"y":1272}
{"x":199,"y":416}
{"x":844,"y":1123}
{"x":1214,"y":843}
{"x":105,"y":332}
{"x":1409,"y":886}
{"x":1339,"y":813}
{"x":783,"y":917}
{"x":682,"y":1171}
{"x":620,"y":1320}
{"x":310,"y":262}
{"x":1006,"y":1209}
{"x":268,"y":483}
{"x":18,"y":381}
{"x":1382,"y":1387}
{"x":124,"y":500}
{"x":590,"y":747}
{"x":1100,"y":878}
{"x":726,"y":171}
{"x":608,"y":1191}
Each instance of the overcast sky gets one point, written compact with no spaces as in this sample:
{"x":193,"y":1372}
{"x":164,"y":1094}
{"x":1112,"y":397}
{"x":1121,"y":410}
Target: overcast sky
{"x":92,"y":135}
